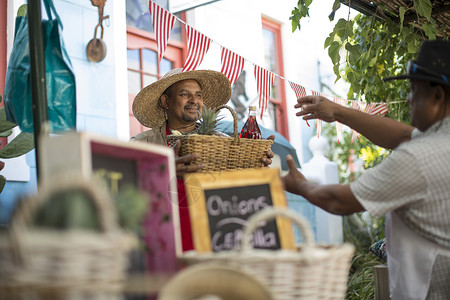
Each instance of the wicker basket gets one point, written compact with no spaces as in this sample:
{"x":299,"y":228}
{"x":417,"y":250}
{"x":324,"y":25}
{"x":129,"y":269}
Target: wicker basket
{"x":312,"y":272}
{"x":219,"y":153}
{"x":46,"y":259}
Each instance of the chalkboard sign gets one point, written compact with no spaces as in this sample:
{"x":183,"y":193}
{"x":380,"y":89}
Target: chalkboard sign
{"x":221,"y":202}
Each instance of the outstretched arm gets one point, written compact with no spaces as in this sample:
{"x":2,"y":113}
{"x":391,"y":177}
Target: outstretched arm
{"x":336,"y":199}
{"x":381,"y":131}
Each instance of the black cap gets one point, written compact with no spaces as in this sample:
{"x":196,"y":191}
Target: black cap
{"x":432,"y":64}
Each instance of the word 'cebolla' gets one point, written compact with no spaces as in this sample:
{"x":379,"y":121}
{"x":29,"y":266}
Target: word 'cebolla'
{"x":229,"y":240}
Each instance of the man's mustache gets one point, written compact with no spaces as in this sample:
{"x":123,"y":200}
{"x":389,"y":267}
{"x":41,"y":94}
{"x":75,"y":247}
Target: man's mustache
{"x":189,"y":106}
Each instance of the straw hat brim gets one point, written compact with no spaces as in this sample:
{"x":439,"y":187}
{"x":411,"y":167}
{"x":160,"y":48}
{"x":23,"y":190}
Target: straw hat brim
{"x":216,"y":90}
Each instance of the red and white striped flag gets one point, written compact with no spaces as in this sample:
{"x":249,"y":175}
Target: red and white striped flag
{"x":163,"y":22}
{"x":264,"y":82}
{"x":300,"y":91}
{"x":232,"y":64}
{"x":369,"y":108}
{"x":381,"y":109}
{"x":198,"y":45}
{"x":318,"y":121}
{"x":342,"y":102}
{"x":360,"y":106}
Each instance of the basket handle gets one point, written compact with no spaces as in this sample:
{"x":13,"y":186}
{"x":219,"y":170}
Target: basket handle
{"x":237,"y":139}
{"x":270,"y":213}
{"x":28,"y":207}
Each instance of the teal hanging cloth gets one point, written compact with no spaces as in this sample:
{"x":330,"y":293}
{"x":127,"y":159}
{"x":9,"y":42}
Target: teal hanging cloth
{"x":60,"y":79}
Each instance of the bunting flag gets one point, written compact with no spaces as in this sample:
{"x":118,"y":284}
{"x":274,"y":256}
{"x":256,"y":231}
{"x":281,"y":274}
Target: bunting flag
{"x":198,"y":45}
{"x":300,"y":91}
{"x":264,"y":82}
{"x":380,"y":109}
{"x":163,"y":22}
{"x":360,"y":106}
{"x":232,"y":64}
{"x":318,"y":121}
{"x":369,"y":108}
{"x":342,"y":102}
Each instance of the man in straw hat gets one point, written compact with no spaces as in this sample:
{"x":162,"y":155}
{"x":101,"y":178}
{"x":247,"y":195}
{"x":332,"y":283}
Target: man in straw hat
{"x":411,"y":187}
{"x":173,"y":103}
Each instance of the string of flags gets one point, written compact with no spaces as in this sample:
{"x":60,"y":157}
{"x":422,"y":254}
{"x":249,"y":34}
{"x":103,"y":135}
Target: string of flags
{"x":232,"y":64}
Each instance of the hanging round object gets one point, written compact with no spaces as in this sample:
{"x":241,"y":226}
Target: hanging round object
{"x":96,"y":50}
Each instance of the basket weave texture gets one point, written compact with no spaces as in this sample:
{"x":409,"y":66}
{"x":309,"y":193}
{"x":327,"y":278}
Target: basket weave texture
{"x":312,"y":272}
{"x":49,"y":259}
{"x":219,"y":153}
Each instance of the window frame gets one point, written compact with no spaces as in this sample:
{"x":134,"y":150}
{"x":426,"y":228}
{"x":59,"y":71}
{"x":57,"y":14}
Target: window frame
{"x":280,"y":104}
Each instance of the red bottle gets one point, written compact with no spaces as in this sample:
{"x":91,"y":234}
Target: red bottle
{"x":250,"y":130}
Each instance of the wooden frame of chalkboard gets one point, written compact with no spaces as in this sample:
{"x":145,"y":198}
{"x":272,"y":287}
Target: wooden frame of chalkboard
{"x":221,"y":202}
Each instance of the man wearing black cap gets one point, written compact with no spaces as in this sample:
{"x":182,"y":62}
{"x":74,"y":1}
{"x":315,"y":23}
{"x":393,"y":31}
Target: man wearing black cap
{"x":411,"y":187}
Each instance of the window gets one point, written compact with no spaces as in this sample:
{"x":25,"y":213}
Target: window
{"x":142,"y":54}
{"x":273,"y":58}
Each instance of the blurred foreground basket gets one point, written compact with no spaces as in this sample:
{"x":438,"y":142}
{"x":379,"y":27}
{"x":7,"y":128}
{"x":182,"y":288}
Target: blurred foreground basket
{"x":54,"y":260}
{"x":312,"y":272}
{"x":219,"y":153}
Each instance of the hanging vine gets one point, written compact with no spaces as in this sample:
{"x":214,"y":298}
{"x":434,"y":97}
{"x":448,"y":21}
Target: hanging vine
{"x":365,"y":49}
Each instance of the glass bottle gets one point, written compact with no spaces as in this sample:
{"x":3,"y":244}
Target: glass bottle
{"x":250,"y":130}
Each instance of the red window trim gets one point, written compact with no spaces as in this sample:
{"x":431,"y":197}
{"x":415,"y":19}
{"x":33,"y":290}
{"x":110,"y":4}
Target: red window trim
{"x":282,"y":123}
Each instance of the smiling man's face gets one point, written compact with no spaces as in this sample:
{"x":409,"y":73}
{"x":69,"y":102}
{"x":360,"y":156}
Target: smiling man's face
{"x":183,"y":102}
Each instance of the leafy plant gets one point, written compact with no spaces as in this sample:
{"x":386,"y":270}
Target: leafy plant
{"x":208,"y":121}
{"x":20,"y":145}
{"x":365,"y":49}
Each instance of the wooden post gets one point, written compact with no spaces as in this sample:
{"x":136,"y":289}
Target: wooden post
{"x":381,"y":282}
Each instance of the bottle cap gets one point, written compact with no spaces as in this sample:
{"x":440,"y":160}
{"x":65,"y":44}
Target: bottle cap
{"x":251,"y":107}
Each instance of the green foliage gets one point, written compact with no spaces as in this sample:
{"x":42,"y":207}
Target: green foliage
{"x":20,"y":145}
{"x":22,"y":11}
{"x":364,"y":49}
{"x":340,"y":151}
{"x":362,"y":231}
{"x":208,"y":121}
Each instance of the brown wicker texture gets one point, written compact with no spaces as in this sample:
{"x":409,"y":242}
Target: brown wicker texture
{"x":47,"y":259}
{"x":312,"y":272}
{"x":219,"y":153}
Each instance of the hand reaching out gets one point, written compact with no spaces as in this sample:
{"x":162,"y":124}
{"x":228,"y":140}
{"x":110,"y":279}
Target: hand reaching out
{"x":317,"y":107}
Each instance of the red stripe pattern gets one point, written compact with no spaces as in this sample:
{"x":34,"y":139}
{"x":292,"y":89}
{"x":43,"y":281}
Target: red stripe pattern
{"x":300,"y":92}
{"x":318,"y":121}
{"x":381,"y":109}
{"x":342,"y":102}
{"x":264,"y":82}
{"x":163,"y":22}
{"x":360,"y":106}
{"x":197,"y":44}
{"x":232,"y":64}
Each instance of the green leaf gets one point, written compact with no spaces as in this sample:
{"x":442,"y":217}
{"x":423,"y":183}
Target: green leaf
{"x":333,"y":52}
{"x":423,"y":8}
{"x":401,"y":11}
{"x":6,"y":133}
{"x":20,"y":145}
{"x":354,"y":52}
{"x":22,"y":11}
{"x":2,"y":183}
{"x":430,"y":30}
{"x":4,"y":124}
{"x":328,"y":41}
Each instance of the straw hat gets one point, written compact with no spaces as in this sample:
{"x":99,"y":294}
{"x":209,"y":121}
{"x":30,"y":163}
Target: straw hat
{"x":216,"y":89}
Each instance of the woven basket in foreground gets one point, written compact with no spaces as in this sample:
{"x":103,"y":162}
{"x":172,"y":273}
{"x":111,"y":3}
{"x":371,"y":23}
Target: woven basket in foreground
{"x":312,"y":272}
{"x":47,"y":259}
{"x":219,"y":153}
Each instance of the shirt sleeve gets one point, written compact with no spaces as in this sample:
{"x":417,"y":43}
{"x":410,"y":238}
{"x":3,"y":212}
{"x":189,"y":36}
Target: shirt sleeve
{"x":398,"y":181}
